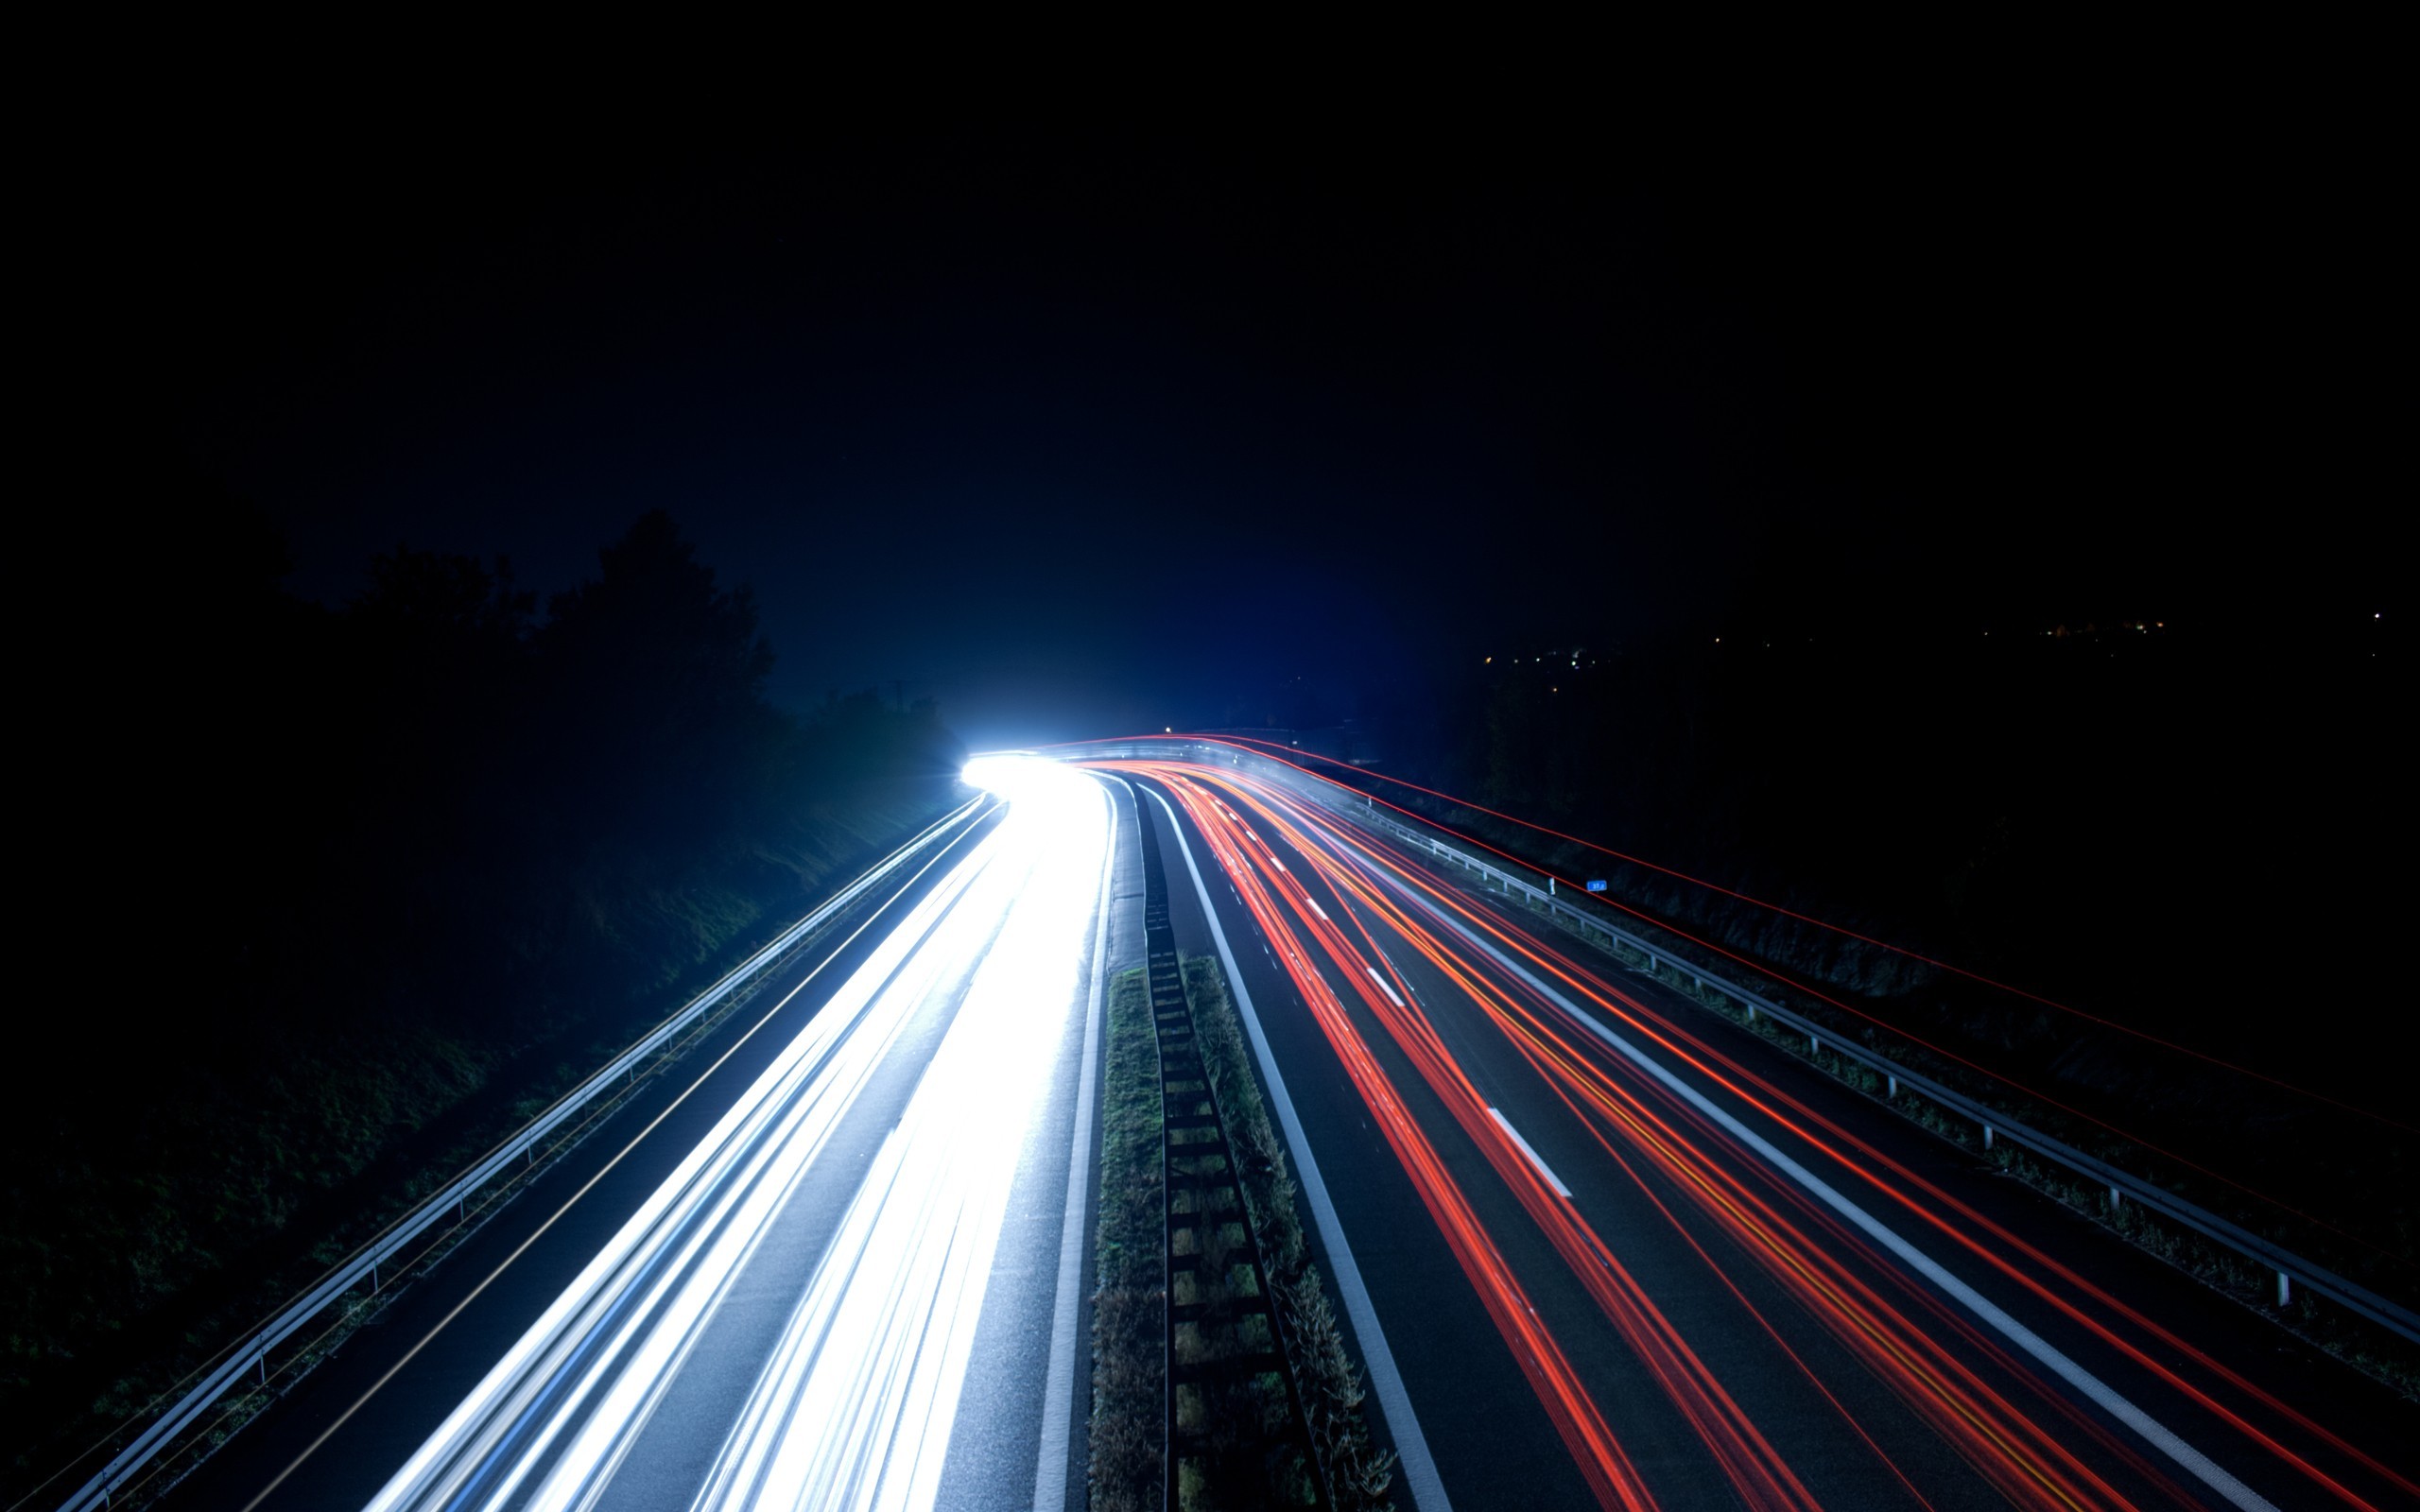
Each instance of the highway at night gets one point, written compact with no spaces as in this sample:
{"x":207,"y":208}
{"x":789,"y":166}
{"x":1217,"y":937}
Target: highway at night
{"x":1590,"y":1250}
{"x":1621,"y":1262}
{"x":861,"y":1245}
{"x":1377,"y":802}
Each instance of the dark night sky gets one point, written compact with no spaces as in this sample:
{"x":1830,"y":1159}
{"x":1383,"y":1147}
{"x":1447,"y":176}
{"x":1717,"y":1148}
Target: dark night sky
{"x":1084,"y":432}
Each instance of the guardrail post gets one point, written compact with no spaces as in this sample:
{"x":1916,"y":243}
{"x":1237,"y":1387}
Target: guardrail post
{"x":166,"y":1431}
{"x":2267,"y":1256}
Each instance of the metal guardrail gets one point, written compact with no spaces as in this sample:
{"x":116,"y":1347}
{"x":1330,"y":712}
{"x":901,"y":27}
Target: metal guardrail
{"x":252,"y":1352}
{"x":2290,"y":1268}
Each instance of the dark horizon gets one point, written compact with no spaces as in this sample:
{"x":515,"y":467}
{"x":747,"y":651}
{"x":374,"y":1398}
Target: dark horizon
{"x":1884,"y":614}
{"x":1364,"y":406}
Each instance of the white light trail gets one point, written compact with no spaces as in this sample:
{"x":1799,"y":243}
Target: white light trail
{"x":853,"y":1403}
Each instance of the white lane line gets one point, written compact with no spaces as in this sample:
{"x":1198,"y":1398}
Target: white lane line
{"x":1385,"y":1381}
{"x":2200,"y":1465}
{"x":1383,"y":986}
{"x":1554,"y":1181}
{"x":1059,"y":1402}
{"x":1315,"y":907}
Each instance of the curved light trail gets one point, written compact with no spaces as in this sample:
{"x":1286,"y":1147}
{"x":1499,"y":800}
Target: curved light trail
{"x":1396,"y":969}
{"x":856,"y":1399}
{"x":1710,"y":1283}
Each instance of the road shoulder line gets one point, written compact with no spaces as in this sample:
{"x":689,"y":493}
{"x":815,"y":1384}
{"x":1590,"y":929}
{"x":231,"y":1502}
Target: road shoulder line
{"x":1386,"y":1383}
{"x":1050,"y":1471}
{"x":2192,"y":1460}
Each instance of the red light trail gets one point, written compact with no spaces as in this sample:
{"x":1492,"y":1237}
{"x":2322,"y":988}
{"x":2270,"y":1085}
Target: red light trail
{"x":1899,"y":1031}
{"x":1354,"y":930}
{"x":1285,"y":755}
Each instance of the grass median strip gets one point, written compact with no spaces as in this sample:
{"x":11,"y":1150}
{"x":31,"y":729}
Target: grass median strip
{"x":1130,"y":1368}
{"x":1331,"y":1385}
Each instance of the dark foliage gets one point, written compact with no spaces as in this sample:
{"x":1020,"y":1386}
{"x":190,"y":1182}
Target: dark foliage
{"x":317,"y":878}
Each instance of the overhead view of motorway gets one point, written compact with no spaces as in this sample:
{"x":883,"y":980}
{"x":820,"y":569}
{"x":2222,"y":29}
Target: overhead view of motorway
{"x":1347,"y":797}
{"x":1589,"y":1249}
{"x":1674,"y":1274}
{"x":833,"y":1273}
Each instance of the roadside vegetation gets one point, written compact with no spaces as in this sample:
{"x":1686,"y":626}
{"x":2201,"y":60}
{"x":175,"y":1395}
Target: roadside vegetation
{"x":1330,"y":1385}
{"x":2375,"y":1350}
{"x":360,"y":889}
{"x":2100,"y":813}
{"x":1130,"y":1364}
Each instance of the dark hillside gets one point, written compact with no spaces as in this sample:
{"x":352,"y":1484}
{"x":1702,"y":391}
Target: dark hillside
{"x":322,"y":890}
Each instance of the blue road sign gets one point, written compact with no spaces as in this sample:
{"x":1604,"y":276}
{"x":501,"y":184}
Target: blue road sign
{"x":1595,"y":884}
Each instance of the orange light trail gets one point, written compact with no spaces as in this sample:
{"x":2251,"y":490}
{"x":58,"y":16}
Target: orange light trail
{"x":2023,"y":1462}
{"x":2004,"y":1251}
{"x":1577,"y":1420}
{"x":1855,"y":1012}
{"x":1899,"y":1331}
{"x":1284,"y":755}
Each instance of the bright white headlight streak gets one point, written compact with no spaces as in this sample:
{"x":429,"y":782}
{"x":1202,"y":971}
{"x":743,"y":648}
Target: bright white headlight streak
{"x":853,"y":1410}
{"x":502,"y":1431}
{"x":856,"y":1408}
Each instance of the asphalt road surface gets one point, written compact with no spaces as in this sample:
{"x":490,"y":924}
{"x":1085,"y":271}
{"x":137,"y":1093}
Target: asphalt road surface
{"x":1595,"y":1246}
{"x":1617,"y":1252}
{"x":837,"y":1258}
